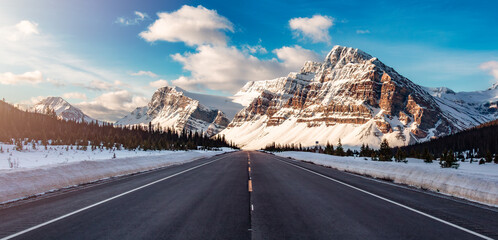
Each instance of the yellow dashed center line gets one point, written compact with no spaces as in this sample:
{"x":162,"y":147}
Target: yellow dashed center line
{"x":250,"y":186}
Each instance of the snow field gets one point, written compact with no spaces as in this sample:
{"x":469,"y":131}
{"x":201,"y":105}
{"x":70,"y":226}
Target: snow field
{"x":470,"y":181}
{"x":34,"y":177}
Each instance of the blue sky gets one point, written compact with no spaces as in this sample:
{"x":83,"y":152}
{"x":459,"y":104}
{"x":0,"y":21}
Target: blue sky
{"x":104,"y":57}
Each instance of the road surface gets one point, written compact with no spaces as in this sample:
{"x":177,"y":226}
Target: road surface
{"x":246,"y":195}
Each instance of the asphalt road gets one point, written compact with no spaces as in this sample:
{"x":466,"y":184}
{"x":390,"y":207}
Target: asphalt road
{"x":246,"y":195}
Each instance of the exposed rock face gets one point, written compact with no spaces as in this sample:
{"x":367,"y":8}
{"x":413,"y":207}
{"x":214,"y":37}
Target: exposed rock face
{"x":62,"y":109}
{"x":170,"y":108}
{"x":349,"y":90}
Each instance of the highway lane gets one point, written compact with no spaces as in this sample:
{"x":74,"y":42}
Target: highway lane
{"x":209,"y":202}
{"x":210,"y":199}
{"x":296,"y":200}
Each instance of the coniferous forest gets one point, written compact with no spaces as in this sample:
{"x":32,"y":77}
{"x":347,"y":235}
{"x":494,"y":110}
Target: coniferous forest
{"x":479,"y":141}
{"x":17,"y":126}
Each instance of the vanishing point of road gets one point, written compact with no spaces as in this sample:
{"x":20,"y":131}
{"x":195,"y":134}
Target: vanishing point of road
{"x":246,"y":195}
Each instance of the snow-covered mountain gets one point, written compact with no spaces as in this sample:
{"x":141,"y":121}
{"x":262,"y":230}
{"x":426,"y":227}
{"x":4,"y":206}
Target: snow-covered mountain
{"x":355,"y":97}
{"x":173,"y":107}
{"x":62,"y":109}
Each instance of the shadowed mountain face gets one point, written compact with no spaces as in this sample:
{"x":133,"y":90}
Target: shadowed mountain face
{"x":352,"y":96}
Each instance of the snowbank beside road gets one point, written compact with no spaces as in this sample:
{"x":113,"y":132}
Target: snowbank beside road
{"x":471,"y":181}
{"x":19,"y":183}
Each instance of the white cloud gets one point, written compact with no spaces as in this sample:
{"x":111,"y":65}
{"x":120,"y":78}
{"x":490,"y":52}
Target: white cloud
{"x":254,"y":49}
{"x":27,"y":27}
{"x":359,"y":31}
{"x":144,"y":73}
{"x":228,"y":68}
{"x":21,"y":30}
{"x":159,"y":83}
{"x":491,"y":67}
{"x":74,"y":95}
{"x":112,"y":105}
{"x":294,"y":57}
{"x":139,"y":17}
{"x":9,"y":78}
{"x":316,"y":28}
{"x":191,"y":25}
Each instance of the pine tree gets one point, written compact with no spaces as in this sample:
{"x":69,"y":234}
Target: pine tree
{"x":339,"y":151}
{"x":427,"y":156}
{"x":385,"y":153}
{"x":489,"y":157}
{"x":329,"y":149}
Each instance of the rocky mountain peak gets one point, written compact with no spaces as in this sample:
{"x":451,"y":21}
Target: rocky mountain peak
{"x":62,"y":109}
{"x":170,"y":107}
{"x":352,"y":96}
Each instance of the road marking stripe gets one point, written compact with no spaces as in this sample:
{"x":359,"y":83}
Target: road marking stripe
{"x":250,"y":185}
{"x":104,"y":201}
{"x":391,"y":201}
{"x":252,"y":207}
{"x":249,"y":169}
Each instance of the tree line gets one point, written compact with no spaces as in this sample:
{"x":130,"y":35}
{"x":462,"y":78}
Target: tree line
{"x":18,"y":126}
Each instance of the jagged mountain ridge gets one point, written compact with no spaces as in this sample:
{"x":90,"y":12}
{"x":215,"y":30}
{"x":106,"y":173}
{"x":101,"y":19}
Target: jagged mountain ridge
{"x":62,"y":109}
{"x":352,"y":96}
{"x":169,"y":107}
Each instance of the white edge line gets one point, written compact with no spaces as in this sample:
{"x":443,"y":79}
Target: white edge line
{"x":104,"y":201}
{"x":393,"y":202}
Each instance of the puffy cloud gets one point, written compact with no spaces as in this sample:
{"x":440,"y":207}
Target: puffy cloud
{"x":359,"y":31}
{"x":316,"y":28}
{"x":27,"y":27}
{"x":294,"y":57}
{"x":139,"y":17}
{"x":191,"y":25}
{"x":159,"y":83}
{"x":9,"y":78}
{"x":228,"y":68}
{"x":144,"y":73}
{"x":112,"y":105}
{"x":22,"y":30}
{"x":74,"y":95}
{"x":491,"y":67}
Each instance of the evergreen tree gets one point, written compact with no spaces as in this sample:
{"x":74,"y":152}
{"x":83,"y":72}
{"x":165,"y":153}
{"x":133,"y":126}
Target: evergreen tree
{"x":489,"y":157}
{"x":385,"y":153}
{"x":339,"y":151}
{"x":329,"y":149}
{"x":427,"y":156}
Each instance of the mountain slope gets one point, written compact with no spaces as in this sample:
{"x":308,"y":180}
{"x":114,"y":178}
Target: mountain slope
{"x":170,"y":107}
{"x":352,"y":96}
{"x":62,"y":109}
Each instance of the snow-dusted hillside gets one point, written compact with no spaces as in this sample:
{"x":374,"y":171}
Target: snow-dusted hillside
{"x":173,"y":107}
{"x":355,"y":97}
{"x":471,"y":181}
{"x":474,"y":107}
{"x":62,"y":109}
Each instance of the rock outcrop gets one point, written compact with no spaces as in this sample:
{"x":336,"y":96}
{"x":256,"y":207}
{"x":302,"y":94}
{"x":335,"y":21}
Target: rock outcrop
{"x":351,"y":95}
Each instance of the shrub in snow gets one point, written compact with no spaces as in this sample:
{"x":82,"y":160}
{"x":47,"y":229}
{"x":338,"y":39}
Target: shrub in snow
{"x":481,"y":161}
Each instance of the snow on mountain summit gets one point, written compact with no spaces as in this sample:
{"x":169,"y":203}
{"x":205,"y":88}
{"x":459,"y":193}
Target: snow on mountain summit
{"x":62,"y":109}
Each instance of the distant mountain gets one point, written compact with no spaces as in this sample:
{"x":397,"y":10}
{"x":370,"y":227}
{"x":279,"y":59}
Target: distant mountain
{"x":62,"y":109}
{"x":354,"y":97}
{"x":173,"y":107}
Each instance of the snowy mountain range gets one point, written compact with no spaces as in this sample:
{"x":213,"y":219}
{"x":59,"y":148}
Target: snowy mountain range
{"x":62,"y":109}
{"x":354,"y":97}
{"x":173,"y":107}
{"x":350,"y":96}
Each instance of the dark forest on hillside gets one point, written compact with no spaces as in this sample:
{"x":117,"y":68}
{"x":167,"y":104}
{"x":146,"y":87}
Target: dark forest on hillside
{"x":17,"y":126}
{"x":482,"y":140}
